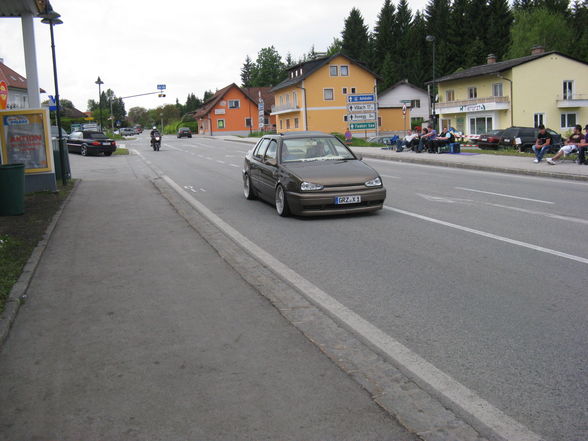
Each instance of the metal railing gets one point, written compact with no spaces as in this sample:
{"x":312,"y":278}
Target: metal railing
{"x":490,"y":99}
{"x":285,"y":107}
{"x":572,"y":97}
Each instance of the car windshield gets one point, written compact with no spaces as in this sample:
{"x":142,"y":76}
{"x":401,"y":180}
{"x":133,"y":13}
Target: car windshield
{"x":96,"y":135}
{"x":314,"y":149}
{"x":493,"y":132}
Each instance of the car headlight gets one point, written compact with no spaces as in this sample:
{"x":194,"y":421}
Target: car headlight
{"x":377,"y":182}
{"x":309,"y":186}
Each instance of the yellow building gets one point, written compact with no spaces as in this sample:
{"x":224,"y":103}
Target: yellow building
{"x":547,"y":88}
{"x":315,"y":94}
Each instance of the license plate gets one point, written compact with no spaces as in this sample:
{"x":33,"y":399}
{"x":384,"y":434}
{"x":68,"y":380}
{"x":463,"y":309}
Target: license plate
{"x":506,"y":139}
{"x":483,"y":139}
{"x":347,"y":200}
{"x":105,"y":143}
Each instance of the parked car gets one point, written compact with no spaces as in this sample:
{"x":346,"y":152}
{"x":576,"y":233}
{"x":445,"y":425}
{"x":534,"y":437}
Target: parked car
{"x":127,"y":131}
{"x":138,"y":130}
{"x":381,"y":139}
{"x":527,"y":136}
{"x":90,"y":143}
{"x":311,"y":173}
{"x":490,"y":139}
{"x":55,"y":132}
{"x":184,"y":131}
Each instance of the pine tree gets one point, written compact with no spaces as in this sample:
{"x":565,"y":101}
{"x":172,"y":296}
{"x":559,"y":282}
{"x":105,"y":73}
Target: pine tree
{"x":419,"y":60}
{"x":498,"y":29}
{"x":438,"y":22}
{"x":403,"y":47}
{"x":335,"y":47}
{"x":356,"y":38}
{"x":247,"y":72}
{"x":477,"y":16}
{"x":388,"y":72}
{"x":456,"y":35}
{"x":385,"y":35}
{"x":580,"y":23}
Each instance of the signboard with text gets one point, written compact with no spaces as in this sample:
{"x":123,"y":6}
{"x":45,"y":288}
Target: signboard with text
{"x":361,"y":117}
{"x":362,"y":98}
{"x":362,"y":126}
{"x":366,"y":107}
{"x":26,"y":139}
{"x":361,"y":111}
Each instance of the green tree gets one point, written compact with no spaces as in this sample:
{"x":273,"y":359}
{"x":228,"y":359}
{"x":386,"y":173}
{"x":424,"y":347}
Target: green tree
{"x":138,"y":115}
{"x":580,"y":22}
{"x":475,"y":46}
{"x":269,"y":69}
{"x":438,"y":22}
{"x":385,"y":36}
{"x":403,"y":46}
{"x":419,"y":57}
{"x":247,"y":72}
{"x":192,"y":103}
{"x":457,"y":35}
{"x":207,"y":95}
{"x":335,"y":47}
{"x":388,"y":72}
{"x":355,"y":38}
{"x":539,"y":26}
{"x":500,"y":20}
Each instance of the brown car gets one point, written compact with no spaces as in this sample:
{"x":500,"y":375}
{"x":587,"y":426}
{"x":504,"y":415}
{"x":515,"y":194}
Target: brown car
{"x":310,"y":174}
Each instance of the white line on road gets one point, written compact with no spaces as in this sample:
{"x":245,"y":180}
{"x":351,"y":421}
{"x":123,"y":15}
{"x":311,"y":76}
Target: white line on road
{"x":234,"y":165}
{"x":491,"y":236}
{"x":542,"y":213}
{"x":220,"y":162}
{"x":437,"y":382}
{"x":203,"y":190}
{"x":504,"y":195}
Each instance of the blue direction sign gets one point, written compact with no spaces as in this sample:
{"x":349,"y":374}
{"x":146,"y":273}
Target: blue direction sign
{"x":52,"y":103}
{"x":161,"y":87}
{"x":365,"y":98}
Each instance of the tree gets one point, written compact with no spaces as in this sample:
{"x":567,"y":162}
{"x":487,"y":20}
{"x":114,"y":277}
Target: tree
{"x":335,"y":47}
{"x":138,"y":115}
{"x":269,"y":69}
{"x":438,"y":22}
{"x":355,"y":38}
{"x":388,"y":72}
{"x":403,"y":46}
{"x":539,"y":26}
{"x":475,"y":46}
{"x":419,"y":58}
{"x":207,"y":95}
{"x":457,"y":35}
{"x":580,"y":22}
{"x":498,"y":30}
{"x":247,"y":72}
{"x":385,"y":36}
{"x":192,"y":103}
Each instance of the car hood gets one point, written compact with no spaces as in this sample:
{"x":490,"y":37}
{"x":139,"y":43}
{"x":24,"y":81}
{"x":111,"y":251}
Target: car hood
{"x":332,"y":172}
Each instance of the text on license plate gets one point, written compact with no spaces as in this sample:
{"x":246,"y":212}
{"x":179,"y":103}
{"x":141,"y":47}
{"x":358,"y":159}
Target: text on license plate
{"x":105,"y":143}
{"x":347,"y":200}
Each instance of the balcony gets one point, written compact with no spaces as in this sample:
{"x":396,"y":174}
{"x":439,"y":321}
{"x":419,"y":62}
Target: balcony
{"x":475,"y":105}
{"x":285,"y":108}
{"x":572,"y":100}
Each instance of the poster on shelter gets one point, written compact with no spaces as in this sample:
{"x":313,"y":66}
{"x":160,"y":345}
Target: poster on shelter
{"x":25,"y":139}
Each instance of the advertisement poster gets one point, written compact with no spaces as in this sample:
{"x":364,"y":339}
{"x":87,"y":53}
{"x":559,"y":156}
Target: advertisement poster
{"x":25,"y":139}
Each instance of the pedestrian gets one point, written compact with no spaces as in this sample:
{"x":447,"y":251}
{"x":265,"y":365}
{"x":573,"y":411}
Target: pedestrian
{"x":571,"y":145}
{"x":582,"y":148}
{"x":542,"y":144}
{"x":348,"y":136}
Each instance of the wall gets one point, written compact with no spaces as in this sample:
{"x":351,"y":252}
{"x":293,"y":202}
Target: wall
{"x":392,"y":120}
{"x":394,"y":97}
{"x":234,"y":119}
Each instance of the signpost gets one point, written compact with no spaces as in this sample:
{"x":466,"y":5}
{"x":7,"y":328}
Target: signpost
{"x":362,"y":126}
{"x":361,"y":116}
{"x":362,"y":112}
{"x":362,"y":98}
{"x":261,"y":115}
{"x":161,"y":87}
{"x":368,"y":107}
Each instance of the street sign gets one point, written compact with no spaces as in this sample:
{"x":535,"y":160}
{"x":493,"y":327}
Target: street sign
{"x":362,"y":126}
{"x":367,"y":107}
{"x":161,"y":87}
{"x":52,"y":104}
{"x":361,"y":117}
{"x":364,"y":98}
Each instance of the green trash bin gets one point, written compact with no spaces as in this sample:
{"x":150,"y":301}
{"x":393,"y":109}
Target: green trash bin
{"x":12,"y":184}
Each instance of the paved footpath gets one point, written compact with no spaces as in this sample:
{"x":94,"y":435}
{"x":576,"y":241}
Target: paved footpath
{"x":135,"y":329}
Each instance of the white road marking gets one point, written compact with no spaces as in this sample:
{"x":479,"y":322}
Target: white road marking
{"x":234,"y":165}
{"x":203,"y":190}
{"x":491,"y":236}
{"x":504,"y":195}
{"x":201,"y":156}
{"x":220,"y":162}
{"x":542,"y":213}
{"x":437,"y":382}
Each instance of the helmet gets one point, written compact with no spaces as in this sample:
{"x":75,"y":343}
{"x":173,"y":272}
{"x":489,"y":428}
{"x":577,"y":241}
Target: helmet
{"x":154,"y":127}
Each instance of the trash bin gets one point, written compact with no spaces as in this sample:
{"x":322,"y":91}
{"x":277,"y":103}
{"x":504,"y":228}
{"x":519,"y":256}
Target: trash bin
{"x":12,"y":184}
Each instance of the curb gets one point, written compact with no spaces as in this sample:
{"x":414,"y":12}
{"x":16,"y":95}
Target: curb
{"x":512,"y":171}
{"x":17,"y":296}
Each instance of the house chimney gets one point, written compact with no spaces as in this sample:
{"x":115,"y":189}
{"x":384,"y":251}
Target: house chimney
{"x":491,"y":59}
{"x":535,"y":50}
{"x":1,"y":60}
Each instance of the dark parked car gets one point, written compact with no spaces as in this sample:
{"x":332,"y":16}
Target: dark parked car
{"x":311,"y":173}
{"x":490,"y":139}
{"x":523,"y":138}
{"x":90,"y":143}
{"x":184,"y":131}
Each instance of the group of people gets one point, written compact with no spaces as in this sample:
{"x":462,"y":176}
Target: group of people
{"x":576,"y":143}
{"x":427,"y":140}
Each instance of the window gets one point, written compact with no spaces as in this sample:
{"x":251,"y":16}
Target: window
{"x":415,"y":104}
{"x":281,"y":124}
{"x":344,"y":91}
{"x":247,"y":122}
{"x":379,"y":121}
{"x":345,"y":118}
{"x":295,"y":123}
{"x":568,"y":90}
{"x":294,"y":99}
{"x":328,"y":95}
{"x":344,"y":71}
{"x":270,"y":153}
{"x":334,"y":71}
{"x":287,"y":123}
{"x":497,"y":89}
{"x":261,"y":148}
{"x":265,"y":120}
{"x":472,"y":92}
{"x":538,"y":119}
{"x":281,"y":99}
{"x":480,"y":124}
{"x":568,"y":120}
{"x":234,"y":104}
{"x":288,"y":99}
{"x":220,"y":123}
{"x":353,"y":90}
{"x":450,"y":95}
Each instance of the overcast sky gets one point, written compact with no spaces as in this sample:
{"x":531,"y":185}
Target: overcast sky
{"x":189,"y":45}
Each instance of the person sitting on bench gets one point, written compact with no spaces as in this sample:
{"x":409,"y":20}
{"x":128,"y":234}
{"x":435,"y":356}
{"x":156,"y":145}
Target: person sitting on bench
{"x":408,"y":142}
{"x":444,"y":138}
{"x":571,"y":146}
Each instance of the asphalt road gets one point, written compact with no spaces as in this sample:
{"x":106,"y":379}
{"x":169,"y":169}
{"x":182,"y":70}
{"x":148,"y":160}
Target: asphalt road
{"x":485,"y":275}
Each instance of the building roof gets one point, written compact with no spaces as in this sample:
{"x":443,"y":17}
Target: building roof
{"x":309,"y":67}
{"x":73,"y":113}
{"x":13,"y":79}
{"x":266,"y":95}
{"x":494,"y":68}
{"x":17,"y":8}
{"x":214,"y":99}
{"x":401,"y":83}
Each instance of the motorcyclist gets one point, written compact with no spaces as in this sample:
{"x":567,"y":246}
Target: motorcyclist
{"x":154,"y":133}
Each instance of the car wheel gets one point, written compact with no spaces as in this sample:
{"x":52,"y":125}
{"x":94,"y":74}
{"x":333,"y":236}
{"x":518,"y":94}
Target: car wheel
{"x":84,"y":150}
{"x":248,"y":190}
{"x":281,"y":202}
{"x":107,"y":153}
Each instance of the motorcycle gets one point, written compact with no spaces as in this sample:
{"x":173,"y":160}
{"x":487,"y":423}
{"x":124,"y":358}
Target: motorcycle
{"x":156,"y":143}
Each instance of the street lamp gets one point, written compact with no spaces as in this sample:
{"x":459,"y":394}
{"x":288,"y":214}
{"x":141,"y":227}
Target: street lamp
{"x":100,"y":83}
{"x":431,"y":39}
{"x":51,"y":18}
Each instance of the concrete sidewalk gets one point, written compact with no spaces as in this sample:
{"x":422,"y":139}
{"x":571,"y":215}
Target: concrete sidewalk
{"x":136,"y":329}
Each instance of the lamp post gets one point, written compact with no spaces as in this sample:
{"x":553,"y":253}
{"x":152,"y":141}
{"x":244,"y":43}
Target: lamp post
{"x":100,"y":83}
{"x":51,"y":18}
{"x":431,"y":39}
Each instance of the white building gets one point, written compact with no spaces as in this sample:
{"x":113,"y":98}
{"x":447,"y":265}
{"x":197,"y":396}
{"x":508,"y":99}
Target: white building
{"x":414,"y":97}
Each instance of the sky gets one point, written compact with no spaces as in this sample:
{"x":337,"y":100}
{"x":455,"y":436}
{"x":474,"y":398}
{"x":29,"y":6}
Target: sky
{"x":189,"y":45}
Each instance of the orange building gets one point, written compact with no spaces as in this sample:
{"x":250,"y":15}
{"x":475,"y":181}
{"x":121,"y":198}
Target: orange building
{"x":236,"y":111}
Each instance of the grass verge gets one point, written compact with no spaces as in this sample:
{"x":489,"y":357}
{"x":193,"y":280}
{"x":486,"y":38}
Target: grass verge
{"x":19,"y":235}
{"x":502,"y":152}
{"x":120,"y":151}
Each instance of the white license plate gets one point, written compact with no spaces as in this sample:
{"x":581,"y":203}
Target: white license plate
{"x":105,"y":143}
{"x":483,"y":139}
{"x":347,"y":200}
{"x":506,"y":139}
